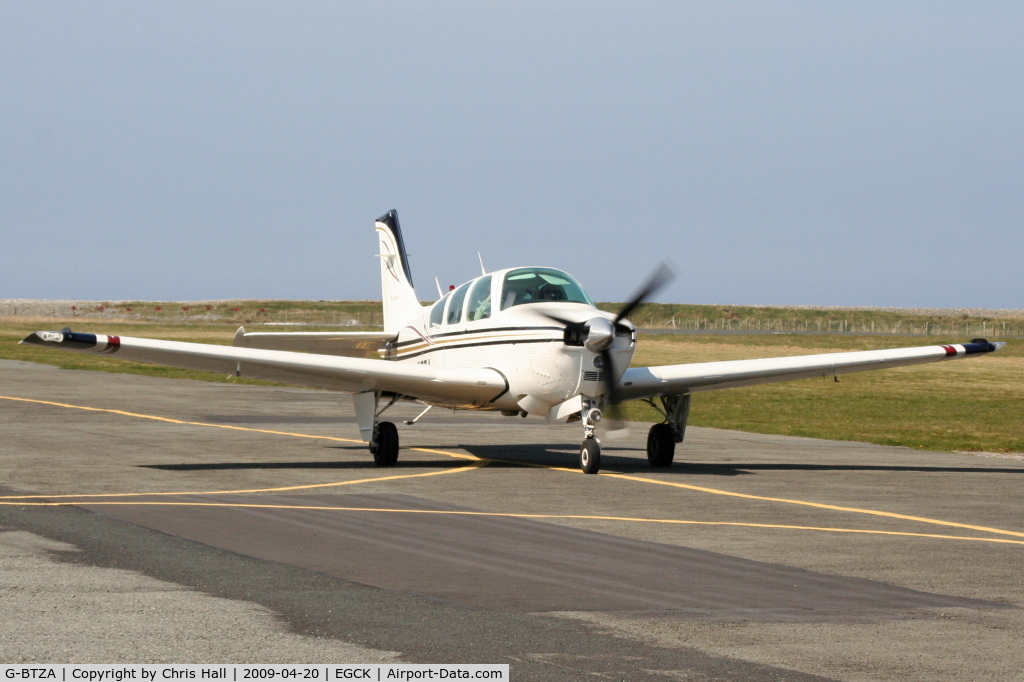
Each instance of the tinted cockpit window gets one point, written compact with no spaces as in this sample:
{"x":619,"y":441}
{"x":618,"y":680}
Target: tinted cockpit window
{"x":540,"y":285}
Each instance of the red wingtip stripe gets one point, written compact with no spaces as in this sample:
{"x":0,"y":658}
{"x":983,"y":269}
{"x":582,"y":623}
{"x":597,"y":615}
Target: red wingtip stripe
{"x":949,"y":350}
{"x":113,"y":343}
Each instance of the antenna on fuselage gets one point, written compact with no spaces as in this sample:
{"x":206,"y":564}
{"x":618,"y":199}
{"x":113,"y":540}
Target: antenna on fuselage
{"x":438,"y":283}
{"x":483,"y":271}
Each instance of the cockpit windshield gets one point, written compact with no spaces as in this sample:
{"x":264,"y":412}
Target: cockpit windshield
{"x":540,"y":285}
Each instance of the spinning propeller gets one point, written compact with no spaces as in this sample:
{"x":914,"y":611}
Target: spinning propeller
{"x":597,"y":334}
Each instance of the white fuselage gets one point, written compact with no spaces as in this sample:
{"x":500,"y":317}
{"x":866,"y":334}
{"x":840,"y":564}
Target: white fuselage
{"x":520,"y":342}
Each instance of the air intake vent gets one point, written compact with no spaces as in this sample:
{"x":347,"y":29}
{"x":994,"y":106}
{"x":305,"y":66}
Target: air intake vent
{"x":593,"y":376}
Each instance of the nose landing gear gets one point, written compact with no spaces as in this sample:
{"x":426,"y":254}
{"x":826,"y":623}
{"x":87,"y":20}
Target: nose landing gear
{"x":590,"y":450}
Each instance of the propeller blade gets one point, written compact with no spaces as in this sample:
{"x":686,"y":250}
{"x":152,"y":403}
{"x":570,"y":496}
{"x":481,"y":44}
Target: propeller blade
{"x":661,"y":276}
{"x":615,"y":415}
{"x":615,"y":424}
{"x":607,"y":365}
{"x":554,"y":318}
{"x":574,"y":332}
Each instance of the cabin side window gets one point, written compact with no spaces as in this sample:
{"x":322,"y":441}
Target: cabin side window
{"x":455,"y":307}
{"x":437,"y":313}
{"x":478,"y":307}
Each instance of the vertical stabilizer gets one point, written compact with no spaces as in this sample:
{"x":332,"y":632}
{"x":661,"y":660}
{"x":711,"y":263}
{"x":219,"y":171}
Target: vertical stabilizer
{"x":400,"y":302}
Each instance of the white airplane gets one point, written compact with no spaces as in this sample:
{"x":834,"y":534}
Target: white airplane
{"x":523,"y":341}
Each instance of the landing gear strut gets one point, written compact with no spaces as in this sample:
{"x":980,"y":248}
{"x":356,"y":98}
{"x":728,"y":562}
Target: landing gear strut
{"x":590,"y":451}
{"x":382,"y":436}
{"x":662,"y":438}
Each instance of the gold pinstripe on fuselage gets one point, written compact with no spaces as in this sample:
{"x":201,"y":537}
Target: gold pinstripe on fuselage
{"x":469,"y":338}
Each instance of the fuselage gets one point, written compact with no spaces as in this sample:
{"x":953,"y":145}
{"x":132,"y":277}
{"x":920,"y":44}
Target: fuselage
{"x":500,"y":321}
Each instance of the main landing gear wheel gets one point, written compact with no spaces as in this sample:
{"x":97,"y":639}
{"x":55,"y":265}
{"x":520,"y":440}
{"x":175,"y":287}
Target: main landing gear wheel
{"x":661,"y":445}
{"x":385,"y":445}
{"x":590,"y":456}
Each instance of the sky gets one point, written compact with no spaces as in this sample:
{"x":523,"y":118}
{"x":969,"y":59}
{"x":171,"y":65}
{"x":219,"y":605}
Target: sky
{"x":776,"y":153}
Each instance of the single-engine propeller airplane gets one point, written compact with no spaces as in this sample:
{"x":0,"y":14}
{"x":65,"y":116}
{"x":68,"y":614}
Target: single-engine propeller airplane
{"x":522,"y":341}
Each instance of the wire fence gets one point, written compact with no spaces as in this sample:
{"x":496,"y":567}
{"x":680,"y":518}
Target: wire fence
{"x":965,"y":328}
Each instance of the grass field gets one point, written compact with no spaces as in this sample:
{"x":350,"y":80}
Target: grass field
{"x":975,"y":405}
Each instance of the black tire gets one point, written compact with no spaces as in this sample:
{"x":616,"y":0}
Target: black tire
{"x":590,"y":456}
{"x":385,"y":449}
{"x":661,"y":445}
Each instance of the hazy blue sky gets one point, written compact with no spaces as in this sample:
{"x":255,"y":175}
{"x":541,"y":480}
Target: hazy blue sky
{"x":777,"y":152}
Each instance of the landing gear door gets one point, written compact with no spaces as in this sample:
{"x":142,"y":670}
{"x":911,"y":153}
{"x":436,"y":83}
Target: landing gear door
{"x":365,"y":405}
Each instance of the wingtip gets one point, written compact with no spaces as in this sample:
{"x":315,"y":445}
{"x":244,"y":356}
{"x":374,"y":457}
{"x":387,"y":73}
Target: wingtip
{"x":982,"y":346}
{"x":73,"y":341}
{"x":42,"y":339}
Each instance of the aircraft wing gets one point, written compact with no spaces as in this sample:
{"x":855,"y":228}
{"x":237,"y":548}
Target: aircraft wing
{"x":348,"y":344}
{"x":446,"y":385}
{"x":646,"y":382}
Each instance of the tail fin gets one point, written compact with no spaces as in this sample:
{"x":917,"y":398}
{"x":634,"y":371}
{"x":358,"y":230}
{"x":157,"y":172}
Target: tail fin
{"x":400,"y":302}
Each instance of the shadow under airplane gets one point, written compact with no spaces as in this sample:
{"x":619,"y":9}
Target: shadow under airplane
{"x":565,"y":455}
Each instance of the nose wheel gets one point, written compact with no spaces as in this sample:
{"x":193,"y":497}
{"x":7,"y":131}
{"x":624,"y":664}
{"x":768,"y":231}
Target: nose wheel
{"x":590,"y":456}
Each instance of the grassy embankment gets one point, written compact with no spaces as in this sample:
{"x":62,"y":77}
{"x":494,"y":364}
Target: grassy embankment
{"x":965,"y":405}
{"x":955,"y":324}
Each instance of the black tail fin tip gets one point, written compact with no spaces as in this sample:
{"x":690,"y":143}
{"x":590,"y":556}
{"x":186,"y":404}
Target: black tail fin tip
{"x":390,"y":219}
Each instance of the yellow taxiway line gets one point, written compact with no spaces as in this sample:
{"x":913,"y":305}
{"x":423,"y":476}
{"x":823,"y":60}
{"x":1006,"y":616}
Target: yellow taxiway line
{"x":455,"y":470}
{"x":482,"y":462}
{"x":514,"y":515}
{"x":819,"y":505}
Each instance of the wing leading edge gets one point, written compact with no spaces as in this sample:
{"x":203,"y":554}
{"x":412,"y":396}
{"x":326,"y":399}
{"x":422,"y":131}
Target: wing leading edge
{"x":464,"y":387}
{"x":646,"y":382}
